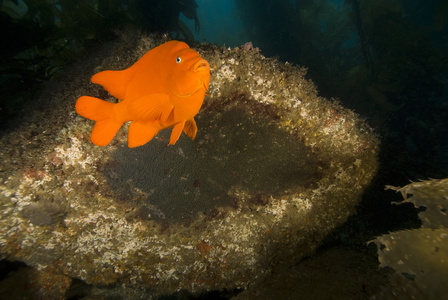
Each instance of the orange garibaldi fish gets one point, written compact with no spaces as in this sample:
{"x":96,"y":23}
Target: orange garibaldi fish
{"x":164,"y":88}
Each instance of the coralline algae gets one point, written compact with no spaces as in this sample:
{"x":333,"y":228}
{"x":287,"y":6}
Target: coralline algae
{"x":274,"y":169}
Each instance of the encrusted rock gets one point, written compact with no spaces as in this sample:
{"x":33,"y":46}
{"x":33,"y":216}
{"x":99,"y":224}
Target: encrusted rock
{"x":274,"y":168}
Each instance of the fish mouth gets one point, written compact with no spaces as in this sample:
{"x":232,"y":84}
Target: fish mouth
{"x":200,"y":65}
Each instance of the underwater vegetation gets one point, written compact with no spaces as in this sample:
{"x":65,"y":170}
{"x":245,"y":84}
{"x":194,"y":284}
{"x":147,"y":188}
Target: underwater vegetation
{"x":52,"y":35}
{"x":45,"y":36}
{"x":380,"y":57}
{"x":358,"y":50}
{"x":163,"y":16}
{"x":418,"y":256}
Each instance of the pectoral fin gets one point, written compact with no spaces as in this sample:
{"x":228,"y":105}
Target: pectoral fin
{"x":190,"y":128}
{"x":150,"y":107}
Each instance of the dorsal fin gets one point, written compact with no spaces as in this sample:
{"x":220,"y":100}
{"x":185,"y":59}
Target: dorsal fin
{"x":115,"y":82}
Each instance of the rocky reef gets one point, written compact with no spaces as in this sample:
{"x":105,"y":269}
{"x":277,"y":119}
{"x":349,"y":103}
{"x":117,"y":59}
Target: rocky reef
{"x":273,"y":170}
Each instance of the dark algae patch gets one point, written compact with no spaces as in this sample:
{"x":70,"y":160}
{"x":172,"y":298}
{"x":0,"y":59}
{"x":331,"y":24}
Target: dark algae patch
{"x":235,"y":150}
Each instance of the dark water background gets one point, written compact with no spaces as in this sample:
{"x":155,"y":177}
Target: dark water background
{"x":385,"y":59}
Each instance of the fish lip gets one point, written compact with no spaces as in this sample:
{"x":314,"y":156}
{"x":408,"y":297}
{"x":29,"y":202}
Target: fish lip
{"x":200,"y":65}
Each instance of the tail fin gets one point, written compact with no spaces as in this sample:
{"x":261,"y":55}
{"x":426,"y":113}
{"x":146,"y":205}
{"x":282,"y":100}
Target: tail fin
{"x":101,"y":111}
{"x":115,"y":82}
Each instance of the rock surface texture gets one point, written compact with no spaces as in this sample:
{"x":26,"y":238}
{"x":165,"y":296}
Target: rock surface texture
{"x":274,"y":169}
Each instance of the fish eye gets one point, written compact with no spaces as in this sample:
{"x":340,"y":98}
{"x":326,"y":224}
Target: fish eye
{"x":178,"y":59}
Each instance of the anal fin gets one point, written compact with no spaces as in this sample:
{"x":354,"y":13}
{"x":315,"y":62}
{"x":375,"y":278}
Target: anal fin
{"x":140,"y":133}
{"x":104,"y":131}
